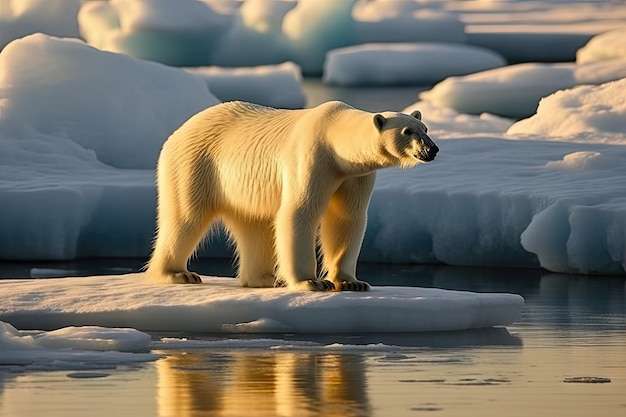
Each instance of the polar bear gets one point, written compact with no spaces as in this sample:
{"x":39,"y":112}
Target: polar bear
{"x":282,"y":182}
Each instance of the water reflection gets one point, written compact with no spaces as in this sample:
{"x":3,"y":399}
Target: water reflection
{"x":319,"y":381}
{"x":262,"y":384}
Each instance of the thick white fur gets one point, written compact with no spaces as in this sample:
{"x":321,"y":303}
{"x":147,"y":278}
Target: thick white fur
{"x":278,"y":180}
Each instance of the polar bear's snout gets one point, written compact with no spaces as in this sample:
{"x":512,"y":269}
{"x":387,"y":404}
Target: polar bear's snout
{"x":426,"y":149}
{"x":429,"y":152}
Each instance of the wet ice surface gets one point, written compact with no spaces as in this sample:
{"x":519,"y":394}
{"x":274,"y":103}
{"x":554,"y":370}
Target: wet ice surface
{"x":571,"y":328}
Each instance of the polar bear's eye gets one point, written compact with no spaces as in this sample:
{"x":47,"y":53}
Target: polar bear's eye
{"x":407,"y":131}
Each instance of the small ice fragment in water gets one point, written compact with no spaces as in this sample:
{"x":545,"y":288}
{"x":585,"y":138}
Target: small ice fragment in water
{"x":587,"y":380}
{"x":85,"y":375}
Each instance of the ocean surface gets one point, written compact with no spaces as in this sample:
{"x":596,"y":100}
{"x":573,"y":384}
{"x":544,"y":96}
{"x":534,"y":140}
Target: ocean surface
{"x":565,"y":357}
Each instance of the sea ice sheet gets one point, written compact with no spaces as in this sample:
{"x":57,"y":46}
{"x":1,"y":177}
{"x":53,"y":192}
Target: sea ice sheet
{"x":269,"y":85}
{"x":220,"y":306}
{"x":595,"y":113}
{"x":405,"y":63}
{"x":515,"y":90}
{"x":72,"y":348}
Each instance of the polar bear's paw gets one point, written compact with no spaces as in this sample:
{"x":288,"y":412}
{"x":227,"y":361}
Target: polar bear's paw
{"x":312,"y":285}
{"x":354,"y":286}
{"x":183,"y":277}
{"x":158,"y":276}
{"x":186,"y":277}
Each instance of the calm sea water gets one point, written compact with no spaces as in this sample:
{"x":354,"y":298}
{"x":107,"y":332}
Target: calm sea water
{"x":573,"y":328}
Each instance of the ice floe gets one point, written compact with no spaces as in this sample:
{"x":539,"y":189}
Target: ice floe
{"x":220,"y":306}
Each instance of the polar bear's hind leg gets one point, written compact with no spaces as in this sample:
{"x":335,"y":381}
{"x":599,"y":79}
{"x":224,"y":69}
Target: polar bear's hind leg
{"x":183,"y":219}
{"x":173,"y":248}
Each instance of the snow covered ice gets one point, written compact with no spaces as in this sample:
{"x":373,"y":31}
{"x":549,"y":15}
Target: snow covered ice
{"x":591,"y":113}
{"x":405,"y":21}
{"x":604,"y":47}
{"x":515,"y":90}
{"x":61,"y":83}
{"x":72,"y":348}
{"x":269,"y":85}
{"x":220,"y":306}
{"x":405,"y":63}
{"x":80,"y":132}
{"x":260,"y":32}
{"x":510,"y":91}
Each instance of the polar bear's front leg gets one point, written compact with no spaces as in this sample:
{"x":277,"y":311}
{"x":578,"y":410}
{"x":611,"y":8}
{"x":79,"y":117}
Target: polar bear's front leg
{"x":342,"y":231}
{"x":296,"y":229}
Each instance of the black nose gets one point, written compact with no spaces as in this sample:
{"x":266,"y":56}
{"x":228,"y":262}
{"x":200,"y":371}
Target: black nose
{"x":432,"y":152}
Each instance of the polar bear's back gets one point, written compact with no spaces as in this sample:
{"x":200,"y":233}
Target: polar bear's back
{"x":242,"y":149}
{"x":242,"y":125}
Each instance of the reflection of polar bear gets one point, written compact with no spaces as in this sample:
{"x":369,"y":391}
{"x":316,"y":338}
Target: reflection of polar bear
{"x":274,"y":177}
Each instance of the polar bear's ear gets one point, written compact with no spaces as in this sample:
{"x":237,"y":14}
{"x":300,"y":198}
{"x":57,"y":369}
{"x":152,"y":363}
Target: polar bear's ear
{"x":379,"y":121}
{"x":417,"y":114}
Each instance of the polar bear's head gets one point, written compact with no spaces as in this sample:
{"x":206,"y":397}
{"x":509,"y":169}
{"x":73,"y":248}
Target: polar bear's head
{"x":403,"y":138}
